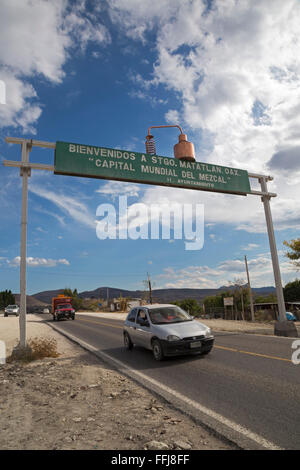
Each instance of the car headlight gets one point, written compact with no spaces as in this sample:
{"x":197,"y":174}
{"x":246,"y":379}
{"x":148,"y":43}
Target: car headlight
{"x":208,"y":333}
{"x":173,"y":338}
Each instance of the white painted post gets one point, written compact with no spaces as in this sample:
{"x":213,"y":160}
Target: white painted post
{"x":24,"y":172}
{"x":279,"y":292}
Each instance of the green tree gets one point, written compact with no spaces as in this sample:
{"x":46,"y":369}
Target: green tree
{"x":266,"y":299}
{"x":213,"y":301}
{"x":292,"y":291}
{"x":6,"y":298}
{"x":189,"y":305}
{"x":76,"y":301}
{"x":294,"y":254}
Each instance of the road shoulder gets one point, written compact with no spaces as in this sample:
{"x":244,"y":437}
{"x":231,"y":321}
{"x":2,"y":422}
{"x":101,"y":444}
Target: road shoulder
{"x":77,"y":401}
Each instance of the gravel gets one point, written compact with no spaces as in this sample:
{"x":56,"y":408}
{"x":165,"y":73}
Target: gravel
{"x":77,"y":402}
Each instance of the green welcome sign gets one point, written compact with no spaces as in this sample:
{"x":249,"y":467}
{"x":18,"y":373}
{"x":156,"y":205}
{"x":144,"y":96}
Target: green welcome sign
{"x":113,"y":164}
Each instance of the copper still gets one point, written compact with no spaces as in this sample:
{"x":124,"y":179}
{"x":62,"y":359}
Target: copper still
{"x":183,"y":150}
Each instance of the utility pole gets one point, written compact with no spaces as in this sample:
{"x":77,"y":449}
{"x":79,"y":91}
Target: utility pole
{"x":242,"y":301}
{"x":150,"y":288}
{"x":24,"y":173}
{"x":250,"y":290}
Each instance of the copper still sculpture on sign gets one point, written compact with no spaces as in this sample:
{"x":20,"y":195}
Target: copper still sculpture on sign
{"x":183,"y":150}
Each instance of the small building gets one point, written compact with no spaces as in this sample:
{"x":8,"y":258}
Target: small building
{"x":272,"y":308}
{"x":134,"y":303}
{"x":115,"y":304}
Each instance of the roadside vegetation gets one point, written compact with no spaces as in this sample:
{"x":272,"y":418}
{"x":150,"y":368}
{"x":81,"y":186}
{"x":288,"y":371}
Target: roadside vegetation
{"x":294,"y":254}
{"x":191,"y":306}
{"x":292,"y":291}
{"x":6,"y":298}
{"x":76,"y":301}
{"x":37,"y":348}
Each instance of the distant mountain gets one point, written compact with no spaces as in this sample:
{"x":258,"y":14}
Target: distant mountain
{"x":159,"y":295}
{"x":256,"y":290}
{"x":46,"y":296}
{"x":31,"y":301}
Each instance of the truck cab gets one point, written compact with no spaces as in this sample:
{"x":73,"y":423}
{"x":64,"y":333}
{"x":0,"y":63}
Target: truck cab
{"x":62,"y":308}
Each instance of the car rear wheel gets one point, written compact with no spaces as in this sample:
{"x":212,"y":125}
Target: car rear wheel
{"x":157,"y":350}
{"x":127,"y":342}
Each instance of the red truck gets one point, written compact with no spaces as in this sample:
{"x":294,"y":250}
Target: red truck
{"x":62,"y":308}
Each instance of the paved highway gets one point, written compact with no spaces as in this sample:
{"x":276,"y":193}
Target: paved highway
{"x":248,"y":380}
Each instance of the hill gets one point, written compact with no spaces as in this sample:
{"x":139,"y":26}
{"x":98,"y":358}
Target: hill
{"x":46,"y":296}
{"x":159,"y":295}
{"x":31,"y":301}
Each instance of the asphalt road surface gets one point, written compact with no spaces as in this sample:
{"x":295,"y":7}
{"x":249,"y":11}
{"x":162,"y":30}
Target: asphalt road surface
{"x":247,"y":379}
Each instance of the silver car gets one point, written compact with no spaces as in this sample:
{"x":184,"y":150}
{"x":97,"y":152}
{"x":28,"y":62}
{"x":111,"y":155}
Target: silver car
{"x":167,"y":330}
{"x":11,"y":310}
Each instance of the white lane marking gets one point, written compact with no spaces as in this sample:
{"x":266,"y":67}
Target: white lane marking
{"x":212,"y":414}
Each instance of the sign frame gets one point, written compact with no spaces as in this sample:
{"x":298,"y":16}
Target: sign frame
{"x":25,"y":172}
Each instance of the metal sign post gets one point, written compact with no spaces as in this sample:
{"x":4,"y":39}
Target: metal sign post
{"x":88,"y":161}
{"x":283,"y":327}
{"x":25,"y":172}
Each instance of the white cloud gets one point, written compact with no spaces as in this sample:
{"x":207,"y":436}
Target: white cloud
{"x":37,"y":37}
{"x":40,"y":229}
{"x":35,"y":262}
{"x":235,"y":69}
{"x":115,"y":189}
{"x":205,"y":277}
{"x":250,"y":246}
{"x":71,"y":206}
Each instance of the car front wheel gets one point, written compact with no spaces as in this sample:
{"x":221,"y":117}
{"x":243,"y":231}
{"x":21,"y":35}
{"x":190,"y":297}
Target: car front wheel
{"x":206,"y":352}
{"x":157,"y":350}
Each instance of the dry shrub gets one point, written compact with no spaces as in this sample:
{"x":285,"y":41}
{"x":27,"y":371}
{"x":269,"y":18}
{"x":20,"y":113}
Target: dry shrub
{"x":43,"y":347}
{"x":36,"y":348}
{"x":264,"y":316}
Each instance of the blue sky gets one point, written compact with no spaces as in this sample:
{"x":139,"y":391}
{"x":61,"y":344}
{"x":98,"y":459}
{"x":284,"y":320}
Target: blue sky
{"x":101,"y":73}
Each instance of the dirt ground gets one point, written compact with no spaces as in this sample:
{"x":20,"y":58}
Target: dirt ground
{"x":77,"y":402}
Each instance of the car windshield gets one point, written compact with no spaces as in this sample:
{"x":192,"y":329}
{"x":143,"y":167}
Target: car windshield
{"x":12,"y":306}
{"x":64,"y":306}
{"x":167,"y":315}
